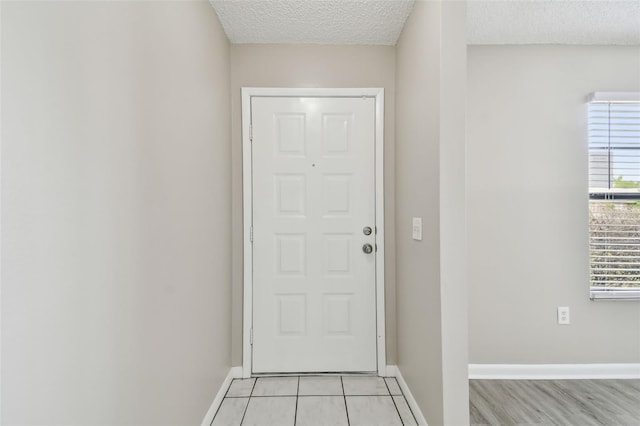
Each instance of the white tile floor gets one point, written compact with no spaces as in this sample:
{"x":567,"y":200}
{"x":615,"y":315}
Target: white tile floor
{"x":314,"y":401}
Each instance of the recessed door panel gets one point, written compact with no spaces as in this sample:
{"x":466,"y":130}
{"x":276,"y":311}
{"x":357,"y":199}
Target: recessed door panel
{"x":337,"y":194}
{"x":337,"y":315}
{"x":313,"y":181}
{"x":336,"y":134}
{"x":290,"y":254}
{"x":289,"y":134}
{"x":337,"y":254}
{"x":291,"y":314}
{"x":290,"y":192}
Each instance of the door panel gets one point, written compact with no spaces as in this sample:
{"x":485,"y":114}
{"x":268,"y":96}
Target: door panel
{"x":314,"y":306}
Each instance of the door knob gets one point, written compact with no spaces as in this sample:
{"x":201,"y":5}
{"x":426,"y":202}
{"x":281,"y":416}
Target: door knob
{"x":367,"y":248}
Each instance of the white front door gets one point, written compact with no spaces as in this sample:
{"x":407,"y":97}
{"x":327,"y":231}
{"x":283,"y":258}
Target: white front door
{"x":313,"y":185}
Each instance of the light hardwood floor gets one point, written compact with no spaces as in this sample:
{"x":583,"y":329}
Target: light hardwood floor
{"x":555,"y":402}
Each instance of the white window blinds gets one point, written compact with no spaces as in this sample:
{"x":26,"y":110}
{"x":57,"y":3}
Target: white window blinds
{"x":614,"y":195}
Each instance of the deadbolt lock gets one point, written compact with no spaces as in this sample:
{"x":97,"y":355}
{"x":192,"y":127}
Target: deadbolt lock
{"x":367,"y":230}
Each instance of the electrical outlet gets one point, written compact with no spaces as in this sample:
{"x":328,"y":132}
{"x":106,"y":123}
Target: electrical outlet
{"x":563,"y":315}
{"x":417,"y":228}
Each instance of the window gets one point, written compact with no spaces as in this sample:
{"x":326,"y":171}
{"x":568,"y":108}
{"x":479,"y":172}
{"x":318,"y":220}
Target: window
{"x":614,"y":195}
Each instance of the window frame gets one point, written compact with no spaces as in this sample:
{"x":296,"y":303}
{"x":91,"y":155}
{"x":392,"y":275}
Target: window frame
{"x":609,"y":195}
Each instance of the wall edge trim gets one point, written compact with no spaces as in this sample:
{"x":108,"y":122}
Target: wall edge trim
{"x":394,"y":371}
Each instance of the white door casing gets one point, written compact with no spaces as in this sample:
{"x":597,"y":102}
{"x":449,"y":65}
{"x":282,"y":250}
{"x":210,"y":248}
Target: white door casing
{"x":313,"y":299}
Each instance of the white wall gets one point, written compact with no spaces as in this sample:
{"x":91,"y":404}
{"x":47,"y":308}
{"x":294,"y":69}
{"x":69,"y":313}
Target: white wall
{"x":527,"y":206}
{"x":430,"y":183}
{"x":313,"y":66}
{"x":115,"y":212}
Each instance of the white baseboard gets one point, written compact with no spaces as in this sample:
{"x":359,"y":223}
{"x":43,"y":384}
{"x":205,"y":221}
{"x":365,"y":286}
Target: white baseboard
{"x":394,"y":371}
{"x":553,"y":371}
{"x":234,"y":373}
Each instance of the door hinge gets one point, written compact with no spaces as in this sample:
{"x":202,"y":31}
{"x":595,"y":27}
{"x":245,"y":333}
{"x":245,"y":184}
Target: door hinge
{"x":251,"y":336}
{"x":251,"y":234}
{"x":251,"y":132}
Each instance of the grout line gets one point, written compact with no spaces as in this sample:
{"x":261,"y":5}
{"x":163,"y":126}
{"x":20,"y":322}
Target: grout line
{"x":221,"y":402}
{"x":359,"y":396}
{"x":306,"y":396}
{"x":264,"y":396}
{"x":248,"y":401}
{"x":407,"y":402}
{"x":295,"y":415}
{"x":346,"y":410}
{"x":322,"y":396}
{"x":255,"y":382}
{"x":229,"y":388}
{"x":397,"y":385}
{"x":394,"y":401}
{"x":410,"y":410}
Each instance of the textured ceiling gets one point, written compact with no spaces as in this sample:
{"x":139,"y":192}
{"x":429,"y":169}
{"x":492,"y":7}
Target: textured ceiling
{"x":553,"y":22}
{"x":381,"y":21}
{"x":313,"y":21}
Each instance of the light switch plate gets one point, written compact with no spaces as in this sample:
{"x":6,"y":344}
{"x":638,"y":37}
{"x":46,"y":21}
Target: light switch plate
{"x":417,"y":228}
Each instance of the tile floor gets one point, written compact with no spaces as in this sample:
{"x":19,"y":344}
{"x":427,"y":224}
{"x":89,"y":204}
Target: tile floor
{"x":314,"y":401}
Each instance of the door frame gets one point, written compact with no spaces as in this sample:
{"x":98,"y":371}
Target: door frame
{"x":247,"y":196}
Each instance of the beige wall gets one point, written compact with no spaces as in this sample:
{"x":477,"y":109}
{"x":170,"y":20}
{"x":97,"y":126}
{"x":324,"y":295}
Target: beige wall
{"x":115,"y":212}
{"x":454,"y":287}
{"x":527,"y":206}
{"x":311,"y":66}
{"x":430,"y":183}
{"x":417,"y":194}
